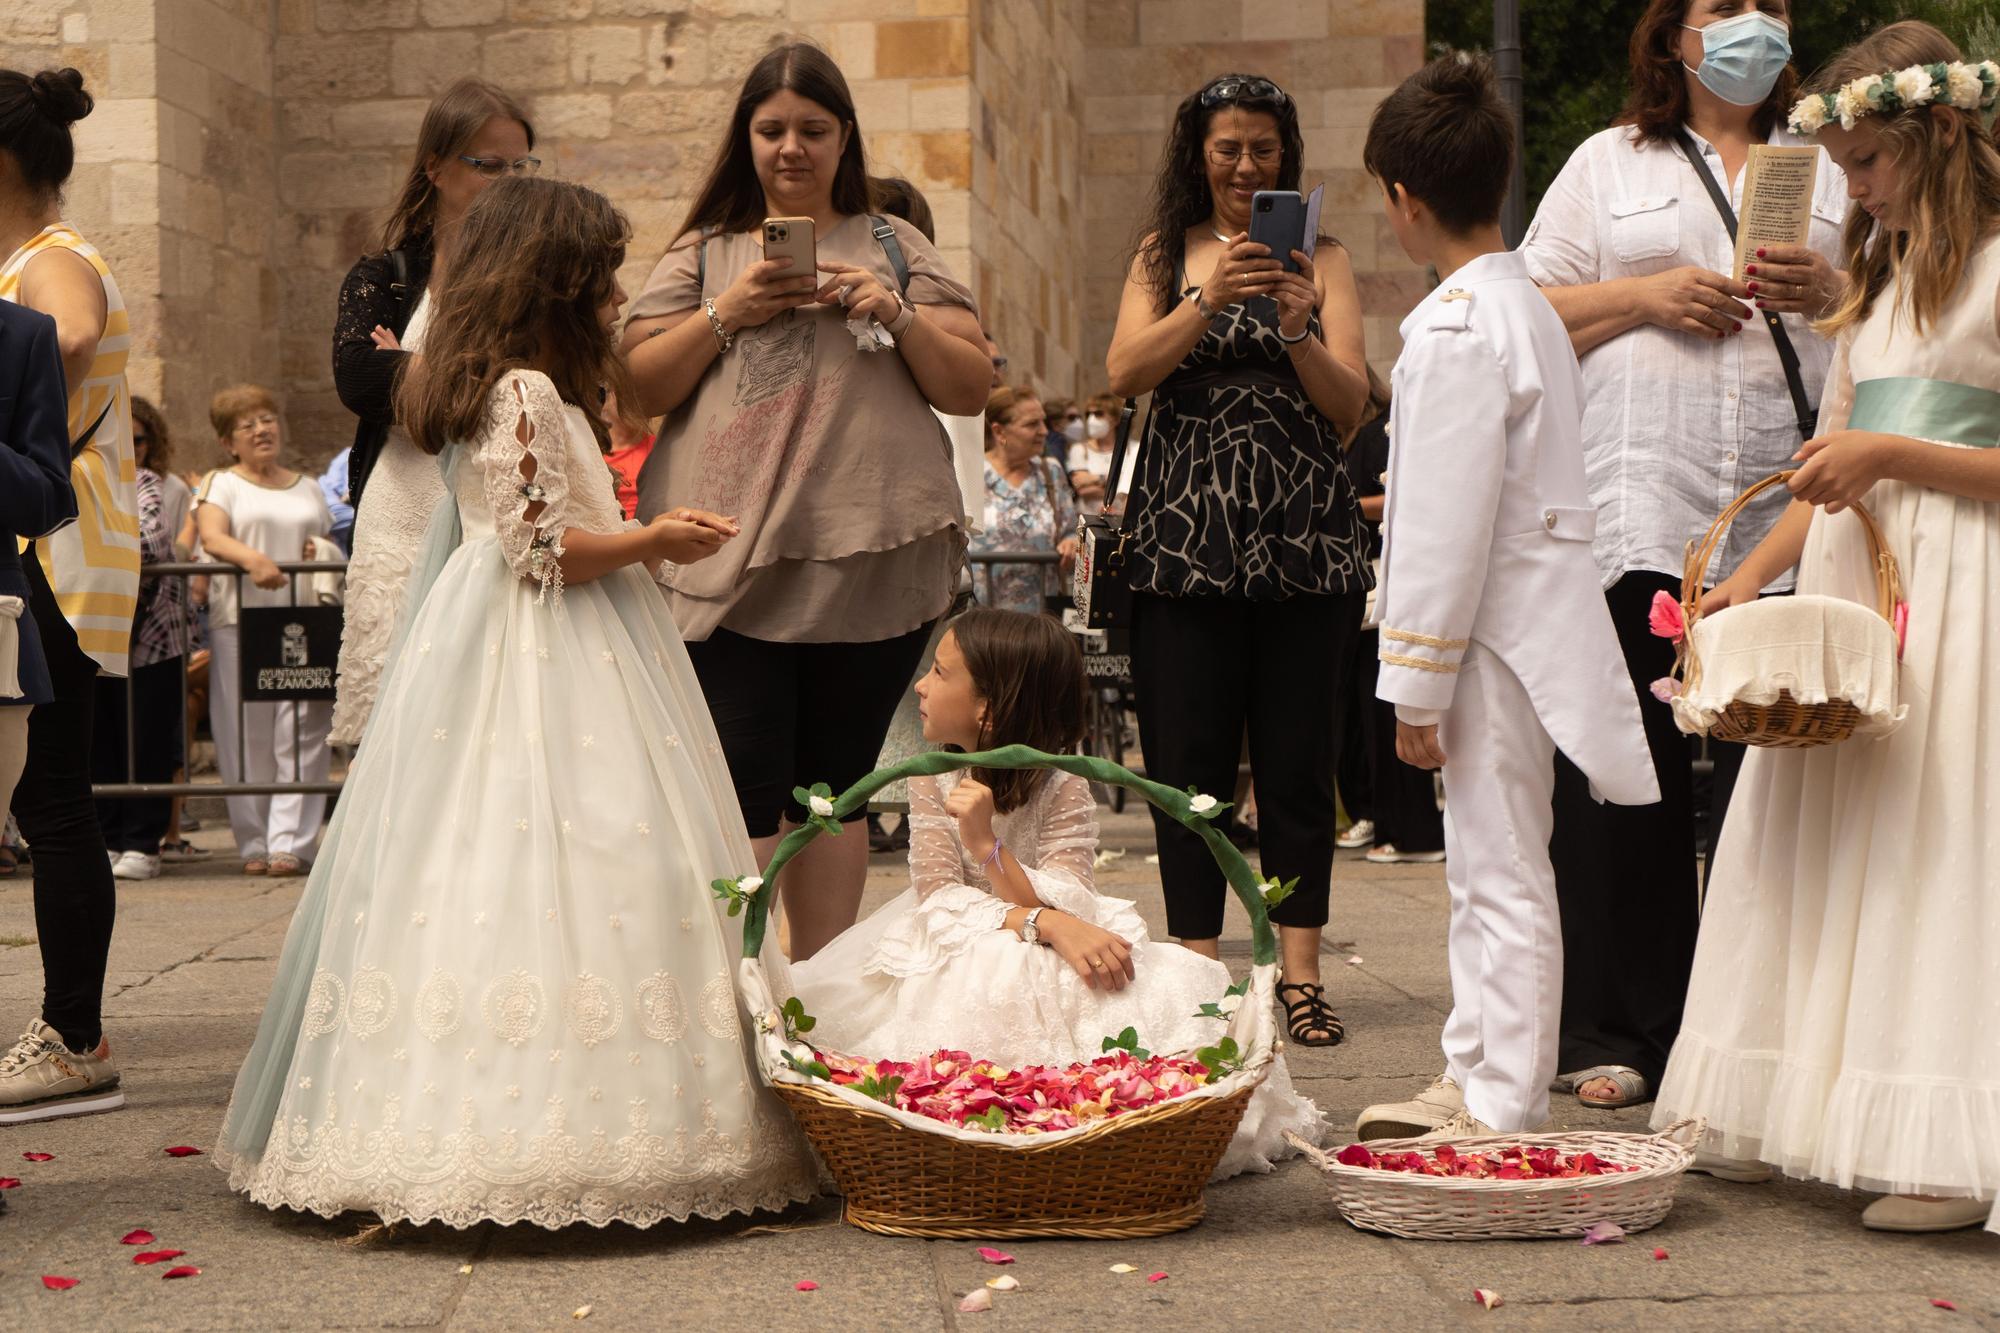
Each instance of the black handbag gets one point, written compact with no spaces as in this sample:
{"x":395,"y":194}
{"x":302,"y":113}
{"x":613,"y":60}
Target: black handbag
{"x":1788,"y":357}
{"x":1099,"y":585}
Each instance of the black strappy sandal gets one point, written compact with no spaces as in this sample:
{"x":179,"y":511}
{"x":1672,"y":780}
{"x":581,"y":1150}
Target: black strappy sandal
{"x":1311,"y":1015}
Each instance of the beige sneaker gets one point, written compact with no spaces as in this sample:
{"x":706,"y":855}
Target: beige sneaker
{"x":1466,"y":1125}
{"x":41,"y":1078}
{"x":1430,"y":1108}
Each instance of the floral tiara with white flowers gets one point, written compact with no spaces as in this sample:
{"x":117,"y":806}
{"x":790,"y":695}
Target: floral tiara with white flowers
{"x":1967,"y":87}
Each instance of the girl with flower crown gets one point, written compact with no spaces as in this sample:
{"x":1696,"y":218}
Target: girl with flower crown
{"x":1843,"y":1022}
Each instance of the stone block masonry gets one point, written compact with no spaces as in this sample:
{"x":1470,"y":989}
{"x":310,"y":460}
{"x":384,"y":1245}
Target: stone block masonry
{"x":244,"y":152}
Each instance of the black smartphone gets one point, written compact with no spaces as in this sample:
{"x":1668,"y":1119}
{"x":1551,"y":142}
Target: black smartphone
{"x":1278,"y":219}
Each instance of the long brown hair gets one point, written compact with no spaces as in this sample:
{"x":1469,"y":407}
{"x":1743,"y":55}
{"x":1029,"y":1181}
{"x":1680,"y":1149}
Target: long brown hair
{"x":1658,"y":102}
{"x":449,"y":125}
{"x":536,"y":260}
{"x":1948,"y":186}
{"x":731,"y":198}
{"x":159,"y":442}
{"x":1028,"y":670}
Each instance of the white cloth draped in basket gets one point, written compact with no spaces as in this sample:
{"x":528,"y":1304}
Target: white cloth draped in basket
{"x":1815,"y":648}
{"x":934,"y":969}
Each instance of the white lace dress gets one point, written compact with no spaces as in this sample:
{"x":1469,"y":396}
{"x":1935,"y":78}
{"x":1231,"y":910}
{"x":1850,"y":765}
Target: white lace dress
{"x":935,"y":968}
{"x":403,"y":490}
{"x":506,"y":994}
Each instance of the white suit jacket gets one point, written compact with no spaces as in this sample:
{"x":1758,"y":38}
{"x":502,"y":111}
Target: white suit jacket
{"x":1488,"y":523}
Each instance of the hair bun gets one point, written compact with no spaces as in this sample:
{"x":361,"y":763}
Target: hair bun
{"x":60,"y":95}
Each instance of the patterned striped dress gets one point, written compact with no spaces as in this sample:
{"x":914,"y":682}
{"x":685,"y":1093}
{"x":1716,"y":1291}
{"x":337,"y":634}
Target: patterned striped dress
{"x":93,"y":564}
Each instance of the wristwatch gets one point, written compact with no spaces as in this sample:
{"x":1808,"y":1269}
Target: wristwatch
{"x":906,"y":314}
{"x":1030,"y":935}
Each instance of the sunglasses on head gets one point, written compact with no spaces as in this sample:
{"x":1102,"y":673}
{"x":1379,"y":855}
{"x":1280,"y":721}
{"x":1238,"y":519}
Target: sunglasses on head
{"x":1240,"y":88}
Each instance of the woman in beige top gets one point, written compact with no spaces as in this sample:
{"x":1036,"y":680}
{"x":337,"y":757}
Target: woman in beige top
{"x":806,"y":629}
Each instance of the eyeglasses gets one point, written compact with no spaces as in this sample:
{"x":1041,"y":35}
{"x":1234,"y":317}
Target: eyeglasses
{"x":250,"y":425}
{"x":1239,"y":88}
{"x":140,"y":439}
{"x":1000,"y":362}
{"x":1264,"y":154}
{"x":495,"y":167}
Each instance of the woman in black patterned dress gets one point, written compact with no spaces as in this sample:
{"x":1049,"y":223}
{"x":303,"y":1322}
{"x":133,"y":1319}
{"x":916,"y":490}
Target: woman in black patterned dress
{"x":1248,"y":560}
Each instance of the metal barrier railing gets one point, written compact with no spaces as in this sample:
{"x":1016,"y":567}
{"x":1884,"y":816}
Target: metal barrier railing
{"x":133,"y":787}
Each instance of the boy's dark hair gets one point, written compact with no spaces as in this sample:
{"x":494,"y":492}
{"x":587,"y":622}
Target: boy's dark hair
{"x":1447,"y":138}
{"x":1029,"y":670}
{"x":900,"y":199}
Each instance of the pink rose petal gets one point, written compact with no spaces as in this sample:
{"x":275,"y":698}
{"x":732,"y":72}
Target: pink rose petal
{"x":1665,"y":618}
{"x":1902,"y":622}
{"x":182,"y":1150}
{"x":806,"y":1285}
{"x":185,"y":1270}
{"x":40,"y":1157}
{"x":54,"y":1283}
{"x":1659,"y":1254}
{"x":993,"y":1256}
{"x":1666,"y":689}
{"x":1942,"y":1304}
{"x":979,"y":1298}
{"x":1156,"y":1277}
{"x":1603,"y":1233}
{"x":1484,"y":1298}
{"x":140,"y":1237}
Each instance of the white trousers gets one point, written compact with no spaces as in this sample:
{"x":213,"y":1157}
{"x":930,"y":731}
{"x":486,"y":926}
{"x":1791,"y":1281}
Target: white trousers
{"x":13,"y":751}
{"x":278,"y":742}
{"x":1505,"y":941}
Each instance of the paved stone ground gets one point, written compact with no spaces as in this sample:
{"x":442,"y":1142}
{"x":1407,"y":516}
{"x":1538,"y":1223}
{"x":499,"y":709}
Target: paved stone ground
{"x":195,"y":952}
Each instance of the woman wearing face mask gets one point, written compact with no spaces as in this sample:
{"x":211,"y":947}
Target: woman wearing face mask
{"x":1090,"y":451}
{"x":472,"y":135}
{"x":1248,"y":563}
{"x":1687,"y":403}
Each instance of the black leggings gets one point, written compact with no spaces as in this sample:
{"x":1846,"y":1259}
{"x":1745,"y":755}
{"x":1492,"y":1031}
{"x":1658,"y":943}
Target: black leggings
{"x":75,"y":900}
{"x":158,"y":712}
{"x":793,"y":714}
{"x":1204,"y":670}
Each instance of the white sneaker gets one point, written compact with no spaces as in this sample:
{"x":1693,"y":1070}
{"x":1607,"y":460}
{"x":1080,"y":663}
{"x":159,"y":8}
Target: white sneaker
{"x":1430,"y":1108}
{"x":1466,"y":1125}
{"x":41,"y":1078}
{"x":1359,"y":834}
{"x":136,"y":865}
{"x":1388,"y":855}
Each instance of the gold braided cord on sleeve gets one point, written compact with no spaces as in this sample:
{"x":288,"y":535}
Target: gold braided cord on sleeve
{"x":1420,"y":663}
{"x":1425,"y":640}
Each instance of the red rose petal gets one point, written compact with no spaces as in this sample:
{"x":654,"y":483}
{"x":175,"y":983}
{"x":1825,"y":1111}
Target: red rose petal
{"x":40,"y":1157}
{"x":182,"y":1150}
{"x":141,"y":1237}
{"x":58,"y":1283}
{"x":1156,"y":1277}
{"x":157,"y":1256}
{"x":807,"y":1285}
{"x":9,"y":1183}
{"x":1939,"y":1301}
{"x":1659,"y":1254}
{"x":185,"y":1270}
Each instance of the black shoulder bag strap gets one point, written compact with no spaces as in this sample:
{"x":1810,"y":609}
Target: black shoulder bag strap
{"x":1126,"y":415}
{"x":399,"y":287}
{"x":885,"y":235}
{"x":701,"y":260}
{"x":1788,"y":357}
{"x":82,"y":442}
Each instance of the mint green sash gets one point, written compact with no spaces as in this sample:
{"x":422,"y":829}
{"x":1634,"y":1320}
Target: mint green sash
{"x":1928,"y":410}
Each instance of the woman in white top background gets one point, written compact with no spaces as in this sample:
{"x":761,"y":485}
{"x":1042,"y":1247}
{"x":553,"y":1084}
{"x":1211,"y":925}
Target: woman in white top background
{"x":253,"y":515}
{"x":472,"y":135}
{"x":1687,"y":404}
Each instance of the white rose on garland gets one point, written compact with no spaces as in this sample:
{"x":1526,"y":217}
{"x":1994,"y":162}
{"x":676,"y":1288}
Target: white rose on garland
{"x":1964,"y":87}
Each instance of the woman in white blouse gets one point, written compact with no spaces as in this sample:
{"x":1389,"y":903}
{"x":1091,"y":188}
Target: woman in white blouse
{"x":1687,"y":404}
{"x":253,"y":515}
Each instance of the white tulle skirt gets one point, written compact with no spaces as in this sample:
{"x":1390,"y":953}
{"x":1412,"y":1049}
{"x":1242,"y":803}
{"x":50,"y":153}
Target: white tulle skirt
{"x":507,"y":993}
{"x":926,"y":974}
{"x":1843,"y":1022}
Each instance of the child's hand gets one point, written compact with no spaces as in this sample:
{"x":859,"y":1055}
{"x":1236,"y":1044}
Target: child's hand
{"x":971,"y":804}
{"x":682,"y":541}
{"x":1839,"y":469}
{"x":723,"y":524}
{"x":1418,"y":746}
{"x":1102,"y":959}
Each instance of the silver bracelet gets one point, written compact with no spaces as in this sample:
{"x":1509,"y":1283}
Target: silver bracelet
{"x":722,"y":337}
{"x":1201,"y":304}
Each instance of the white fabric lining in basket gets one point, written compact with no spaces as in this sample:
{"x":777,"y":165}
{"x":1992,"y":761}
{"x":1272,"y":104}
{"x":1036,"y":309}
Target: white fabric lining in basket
{"x":1815,"y":648}
{"x":1421,"y":1207}
{"x":1253,"y":1025}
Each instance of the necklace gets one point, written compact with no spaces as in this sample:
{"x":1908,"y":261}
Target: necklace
{"x":1216,"y":234}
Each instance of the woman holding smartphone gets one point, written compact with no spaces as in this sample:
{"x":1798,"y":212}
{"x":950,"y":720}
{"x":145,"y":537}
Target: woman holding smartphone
{"x":808,"y":627}
{"x":1248,"y":560}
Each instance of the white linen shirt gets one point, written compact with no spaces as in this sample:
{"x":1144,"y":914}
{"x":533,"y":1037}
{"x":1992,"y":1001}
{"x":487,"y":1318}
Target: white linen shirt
{"x":1675,"y":426}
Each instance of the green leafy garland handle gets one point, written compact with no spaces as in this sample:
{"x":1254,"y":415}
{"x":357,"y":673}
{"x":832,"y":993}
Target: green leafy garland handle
{"x":750,"y":895}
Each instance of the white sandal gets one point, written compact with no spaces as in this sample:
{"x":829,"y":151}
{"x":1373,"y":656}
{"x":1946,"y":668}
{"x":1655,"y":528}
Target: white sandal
{"x":1630,"y":1082}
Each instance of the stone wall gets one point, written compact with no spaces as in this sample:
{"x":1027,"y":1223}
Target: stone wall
{"x":244,"y":152}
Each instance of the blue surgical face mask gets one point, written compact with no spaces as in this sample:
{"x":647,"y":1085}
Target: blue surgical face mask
{"x":1742,"y":57}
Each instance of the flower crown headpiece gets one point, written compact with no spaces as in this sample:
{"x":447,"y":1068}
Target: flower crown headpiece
{"x":1967,"y":87}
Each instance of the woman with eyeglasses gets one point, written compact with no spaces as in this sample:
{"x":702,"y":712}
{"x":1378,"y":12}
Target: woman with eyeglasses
{"x":472,"y":135}
{"x":1248,"y":563}
{"x":254,"y":514}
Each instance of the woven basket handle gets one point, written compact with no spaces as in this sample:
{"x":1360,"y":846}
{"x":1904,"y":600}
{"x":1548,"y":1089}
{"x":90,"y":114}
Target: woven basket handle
{"x":1249,"y":888}
{"x":1888,"y":582}
{"x":1685,"y":1133}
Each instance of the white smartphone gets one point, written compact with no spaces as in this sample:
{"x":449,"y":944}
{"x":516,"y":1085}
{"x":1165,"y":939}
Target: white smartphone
{"x":792,"y":238}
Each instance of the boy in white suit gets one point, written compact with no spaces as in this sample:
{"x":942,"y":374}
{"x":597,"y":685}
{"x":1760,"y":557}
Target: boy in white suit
{"x":1497,"y":648}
